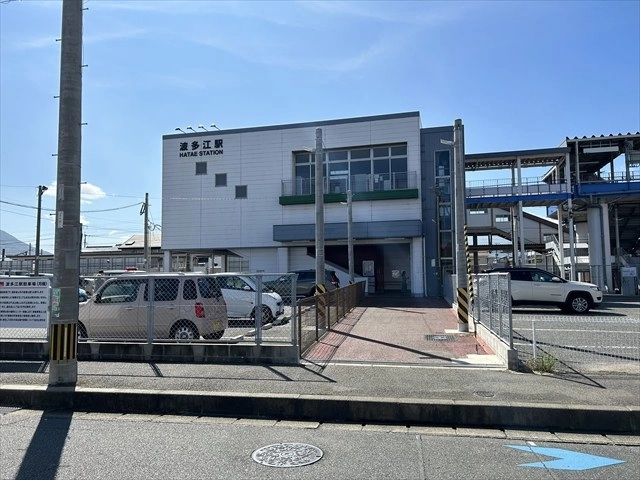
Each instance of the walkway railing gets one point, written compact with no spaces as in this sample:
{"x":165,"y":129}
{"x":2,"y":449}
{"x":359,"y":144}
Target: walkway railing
{"x":316,"y":315}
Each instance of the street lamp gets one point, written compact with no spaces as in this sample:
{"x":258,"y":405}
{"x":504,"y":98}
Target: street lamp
{"x":36,"y":262}
{"x":319,"y":198}
{"x":191,"y":128}
{"x":202,"y":127}
{"x":178,"y":129}
{"x":350,"y":235}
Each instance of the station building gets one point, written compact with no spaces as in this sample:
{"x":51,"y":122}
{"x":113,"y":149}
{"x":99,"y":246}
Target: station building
{"x":247,"y":197}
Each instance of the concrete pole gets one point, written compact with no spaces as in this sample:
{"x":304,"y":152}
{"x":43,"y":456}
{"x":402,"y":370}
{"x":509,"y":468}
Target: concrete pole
{"x":319,"y":156}
{"x":523,"y":254}
{"x":460,"y":222}
{"x":147,"y":250}
{"x":36,"y":263}
{"x":572,"y":237}
{"x":63,"y":366}
{"x":350,"y":235}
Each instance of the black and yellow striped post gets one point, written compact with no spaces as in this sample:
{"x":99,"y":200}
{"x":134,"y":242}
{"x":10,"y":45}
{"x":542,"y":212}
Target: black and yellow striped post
{"x":63,"y":342}
{"x":469,"y":268}
{"x":465,"y":288}
{"x":463,"y":306}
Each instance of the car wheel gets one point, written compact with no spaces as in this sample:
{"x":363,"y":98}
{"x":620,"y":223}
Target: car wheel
{"x":216,"y":335}
{"x":579,"y":303}
{"x":82,"y":331}
{"x":184,"y":330}
{"x":267,"y":316}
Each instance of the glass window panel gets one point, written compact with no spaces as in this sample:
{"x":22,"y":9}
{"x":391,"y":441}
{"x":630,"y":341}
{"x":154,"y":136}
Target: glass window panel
{"x":303,"y":171}
{"x":221,"y":179}
{"x":447,"y":266}
{"x":201,"y":168}
{"x":381,"y":152}
{"x":399,"y":165}
{"x":360,"y":168}
{"x":444,"y":215}
{"x":443,"y":163}
{"x":446,"y":246}
{"x":241,"y":191}
{"x":340,"y":168}
{"x":444,"y":187}
{"x":303,"y":158}
{"x":399,"y":150}
{"x":363,"y":153}
{"x":336,"y":156}
{"x":381,"y":166}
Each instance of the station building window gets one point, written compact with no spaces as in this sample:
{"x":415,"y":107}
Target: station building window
{"x":358,"y":169}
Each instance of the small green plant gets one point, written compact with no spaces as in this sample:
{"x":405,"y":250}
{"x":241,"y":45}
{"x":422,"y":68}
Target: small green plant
{"x":545,"y":363}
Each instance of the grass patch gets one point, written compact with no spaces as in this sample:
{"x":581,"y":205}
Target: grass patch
{"x":545,"y":363}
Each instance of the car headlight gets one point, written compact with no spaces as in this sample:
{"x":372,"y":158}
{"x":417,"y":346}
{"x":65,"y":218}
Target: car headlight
{"x":595,"y":287}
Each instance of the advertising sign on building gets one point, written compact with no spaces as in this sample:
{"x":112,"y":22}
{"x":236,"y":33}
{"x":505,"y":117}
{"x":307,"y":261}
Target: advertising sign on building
{"x":24,"y":302}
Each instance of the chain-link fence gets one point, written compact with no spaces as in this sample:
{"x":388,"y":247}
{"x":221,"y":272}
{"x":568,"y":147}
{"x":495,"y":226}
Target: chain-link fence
{"x":188,"y":307}
{"x":588,"y":343}
{"x":492,"y":304}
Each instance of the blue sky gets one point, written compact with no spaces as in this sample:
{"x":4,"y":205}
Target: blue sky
{"x":519,"y":74}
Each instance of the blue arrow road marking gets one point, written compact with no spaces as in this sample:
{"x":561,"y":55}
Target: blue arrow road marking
{"x":566,"y":459}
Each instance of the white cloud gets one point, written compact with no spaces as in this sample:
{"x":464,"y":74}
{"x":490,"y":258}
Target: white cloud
{"x":88,"y":192}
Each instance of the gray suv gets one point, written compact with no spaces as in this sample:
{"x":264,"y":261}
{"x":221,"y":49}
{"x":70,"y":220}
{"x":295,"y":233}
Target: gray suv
{"x":305,"y":285}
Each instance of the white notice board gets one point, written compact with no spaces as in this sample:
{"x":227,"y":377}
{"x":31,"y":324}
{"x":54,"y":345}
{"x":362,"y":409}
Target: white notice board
{"x":24,"y":302}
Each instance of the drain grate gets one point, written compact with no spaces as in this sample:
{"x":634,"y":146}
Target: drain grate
{"x":287,"y":455}
{"x":440,"y":338}
{"x":484,"y":394}
{"x":4,"y":410}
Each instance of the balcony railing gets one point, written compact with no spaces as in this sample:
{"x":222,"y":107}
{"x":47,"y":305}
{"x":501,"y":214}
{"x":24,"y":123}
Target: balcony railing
{"x":357,"y":183}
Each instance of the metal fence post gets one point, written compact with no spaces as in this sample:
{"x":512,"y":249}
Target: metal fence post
{"x":151,"y":288}
{"x":533,"y":336}
{"x":258,"y":310}
{"x":510,"y":310}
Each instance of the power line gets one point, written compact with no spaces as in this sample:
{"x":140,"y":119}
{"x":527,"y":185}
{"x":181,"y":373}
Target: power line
{"x":83,"y":211}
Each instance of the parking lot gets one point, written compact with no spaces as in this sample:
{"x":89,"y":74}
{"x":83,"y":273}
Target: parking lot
{"x":606,"y":339}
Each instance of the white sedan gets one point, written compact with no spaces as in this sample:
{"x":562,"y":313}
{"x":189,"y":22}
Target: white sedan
{"x":239,"y":292}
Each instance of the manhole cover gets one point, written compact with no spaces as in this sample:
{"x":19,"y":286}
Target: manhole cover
{"x":439,"y":338}
{"x":287,"y":455}
{"x":484,"y":394}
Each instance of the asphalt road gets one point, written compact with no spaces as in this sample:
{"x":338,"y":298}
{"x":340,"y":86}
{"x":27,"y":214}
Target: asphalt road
{"x":64,"y":445}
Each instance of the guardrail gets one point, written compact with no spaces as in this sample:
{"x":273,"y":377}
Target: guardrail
{"x":316,"y":315}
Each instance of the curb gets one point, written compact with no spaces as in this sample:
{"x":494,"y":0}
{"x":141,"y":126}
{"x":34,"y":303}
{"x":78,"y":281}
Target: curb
{"x":517,"y":416}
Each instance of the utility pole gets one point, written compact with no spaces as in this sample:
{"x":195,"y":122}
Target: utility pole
{"x":147,"y":249}
{"x":460,"y":222}
{"x":63,"y":363}
{"x":36,"y":262}
{"x":319,"y":156}
{"x":350,"y":235}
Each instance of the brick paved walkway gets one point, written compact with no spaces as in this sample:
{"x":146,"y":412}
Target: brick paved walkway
{"x":400,"y":330}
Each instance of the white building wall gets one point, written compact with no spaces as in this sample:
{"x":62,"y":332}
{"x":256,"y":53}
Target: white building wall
{"x":198,"y":215}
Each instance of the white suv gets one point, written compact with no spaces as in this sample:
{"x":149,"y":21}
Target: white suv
{"x":533,"y":286}
{"x":183,"y":307}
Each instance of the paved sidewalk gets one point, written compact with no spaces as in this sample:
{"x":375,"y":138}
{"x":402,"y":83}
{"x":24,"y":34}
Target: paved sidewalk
{"x":404,"y":330}
{"x":392,"y":360}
